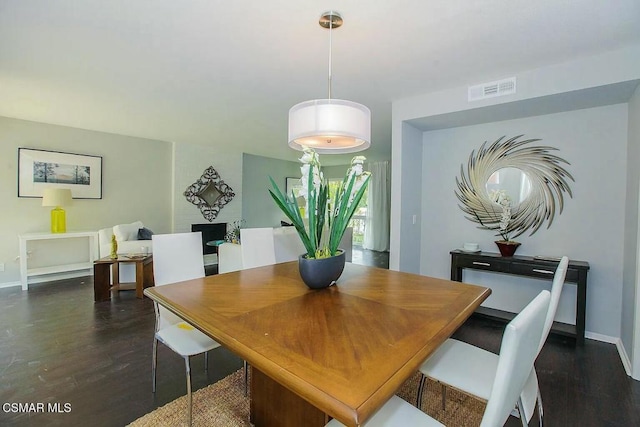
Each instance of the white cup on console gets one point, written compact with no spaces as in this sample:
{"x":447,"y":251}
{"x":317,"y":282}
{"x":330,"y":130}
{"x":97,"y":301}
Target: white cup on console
{"x":471,"y":247}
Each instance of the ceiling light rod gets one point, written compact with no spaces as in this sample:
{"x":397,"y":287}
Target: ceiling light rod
{"x":330,"y":126}
{"x":330,"y":20}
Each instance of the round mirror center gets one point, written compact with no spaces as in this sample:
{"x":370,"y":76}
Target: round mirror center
{"x":511,"y":182}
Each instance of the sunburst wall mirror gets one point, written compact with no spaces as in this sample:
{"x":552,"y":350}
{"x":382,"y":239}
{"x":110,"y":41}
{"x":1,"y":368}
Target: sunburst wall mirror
{"x":512,"y":186}
{"x":209,"y":193}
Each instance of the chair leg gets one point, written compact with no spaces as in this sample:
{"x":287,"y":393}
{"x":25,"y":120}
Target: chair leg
{"x":423,"y":379}
{"x":540,"y":411}
{"x":444,"y":396}
{"x":186,"y":363}
{"x":246,"y":377}
{"x":154,"y":364}
{"x":523,"y":418}
{"x":206,"y":361}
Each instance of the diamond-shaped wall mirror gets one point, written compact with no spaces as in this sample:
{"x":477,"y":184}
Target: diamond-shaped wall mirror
{"x":209,"y":193}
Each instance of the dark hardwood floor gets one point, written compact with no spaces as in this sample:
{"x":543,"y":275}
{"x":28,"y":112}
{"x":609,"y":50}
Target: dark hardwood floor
{"x":57,"y":346}
{"x":368,"y":257}
{"x":581,"y":386}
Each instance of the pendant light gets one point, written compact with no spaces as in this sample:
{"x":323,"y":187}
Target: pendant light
{"x":330,"y":126}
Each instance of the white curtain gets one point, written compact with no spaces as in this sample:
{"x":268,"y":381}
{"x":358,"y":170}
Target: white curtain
{"x":376,"y":233}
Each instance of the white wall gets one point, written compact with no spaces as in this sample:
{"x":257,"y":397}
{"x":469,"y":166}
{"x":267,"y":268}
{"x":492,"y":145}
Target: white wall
{"x":565,"y":79}
{"x":406,"y":199}
{"x":136,"y":185}
{"x":630,"y":319}
{"x":599,"y":80}
{"x":258,"y":208}
{"x":142,"y":179}
{"x":412,"y":200}
{"x":591,"y":227}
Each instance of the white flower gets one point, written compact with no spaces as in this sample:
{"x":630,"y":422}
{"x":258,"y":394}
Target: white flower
{"x":360,"y":179}
{"x":306,"y":158}
{"x":310,"y":157}
{"x":357,"y":165}
{"x":502,"y":198}
{"x":505,"y":218}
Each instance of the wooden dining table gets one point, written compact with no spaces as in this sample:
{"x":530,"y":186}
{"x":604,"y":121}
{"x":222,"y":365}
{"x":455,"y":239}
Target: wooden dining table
{"x":339,"y":352}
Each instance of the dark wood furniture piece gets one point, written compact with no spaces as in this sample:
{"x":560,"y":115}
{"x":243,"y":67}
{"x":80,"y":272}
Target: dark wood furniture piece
{"x":102,"y":286}
{"x":338,"y":352}
{"x":537,"y":267}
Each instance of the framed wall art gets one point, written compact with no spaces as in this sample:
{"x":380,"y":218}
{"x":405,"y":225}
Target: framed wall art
{"x":40,"y":169}
{"x":294,"y":184}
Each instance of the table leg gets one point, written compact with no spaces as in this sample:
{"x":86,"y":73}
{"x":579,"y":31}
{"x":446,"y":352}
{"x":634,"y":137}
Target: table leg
{"x":273,"y":405}
{"x":115,"y":275}
{"x":148,"y":274}
{"x":101,"y":282}
{"x":139,"y":279}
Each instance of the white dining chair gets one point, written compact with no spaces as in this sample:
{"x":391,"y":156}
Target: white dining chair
{"x":229,"y":257}
{"x":517,"y":354}
{"x":257,"y":247}
{"x":176,"y":258}
{"x":472,"y":369}
{"x":287,"y":244}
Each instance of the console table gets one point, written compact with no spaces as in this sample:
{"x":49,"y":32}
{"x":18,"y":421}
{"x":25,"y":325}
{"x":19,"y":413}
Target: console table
{"x":24,"y":239}
{"x":526,"y":266}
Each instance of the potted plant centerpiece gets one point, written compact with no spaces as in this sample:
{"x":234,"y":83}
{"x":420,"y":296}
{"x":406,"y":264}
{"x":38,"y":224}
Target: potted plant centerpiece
{"x":321,"y":223}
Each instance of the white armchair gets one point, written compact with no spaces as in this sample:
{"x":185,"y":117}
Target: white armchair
{"x":128,"y":243}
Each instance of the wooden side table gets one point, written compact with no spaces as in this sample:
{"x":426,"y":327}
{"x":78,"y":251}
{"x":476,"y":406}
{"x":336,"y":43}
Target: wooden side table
{"x":102,"y":285}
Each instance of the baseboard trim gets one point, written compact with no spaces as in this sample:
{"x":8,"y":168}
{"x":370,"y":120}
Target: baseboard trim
{"x":600,"y":337}
{"x":50,"y":278}
{"x":9,"y":284}
{"x":60,"y":276}
{"x":626,"y":361}
{"x":624,"y":357}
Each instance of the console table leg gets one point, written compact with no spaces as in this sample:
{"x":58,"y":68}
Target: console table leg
{"x":581,"y":304}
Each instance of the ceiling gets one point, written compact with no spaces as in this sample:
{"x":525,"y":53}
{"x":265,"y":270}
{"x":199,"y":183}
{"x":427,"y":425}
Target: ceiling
{"x":226,"y":73}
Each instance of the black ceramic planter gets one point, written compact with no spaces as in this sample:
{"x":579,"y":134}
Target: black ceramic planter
{"x":321,"y":273}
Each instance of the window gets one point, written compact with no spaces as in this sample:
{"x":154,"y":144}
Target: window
{"x":358,"y":220}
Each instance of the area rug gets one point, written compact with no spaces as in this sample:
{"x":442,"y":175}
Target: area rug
{"x":461,"y":409}
{"x":223,"y":404}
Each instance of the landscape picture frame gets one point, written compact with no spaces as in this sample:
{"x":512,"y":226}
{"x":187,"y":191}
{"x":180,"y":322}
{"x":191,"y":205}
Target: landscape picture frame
{"x":41,"y":169}
{"x":291,"y":184}
{"x":294,"y":184}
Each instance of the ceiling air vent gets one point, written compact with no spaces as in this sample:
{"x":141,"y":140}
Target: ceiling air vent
{"x":492,"y":89}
